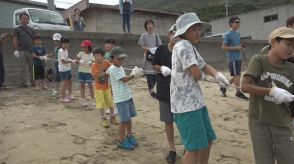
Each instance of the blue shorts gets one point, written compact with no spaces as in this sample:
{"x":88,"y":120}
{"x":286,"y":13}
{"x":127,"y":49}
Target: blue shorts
{"x":126,"y":110}
{"x":85,"y":77}
{"x":235,"y":67}
{"x":195,"y":129}
{"x":57,"y":75}
{"x":65,"y":75}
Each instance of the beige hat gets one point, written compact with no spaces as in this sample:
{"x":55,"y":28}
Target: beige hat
{"x":185,"y":21}
{"x":282,"y":32}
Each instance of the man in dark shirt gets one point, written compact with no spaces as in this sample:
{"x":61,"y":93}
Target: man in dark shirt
{"x":78,"y":21}
{"x":3,"y":39}
{"x":125,"y":7}
{"x":162,"y":63}
{"x":23,"y":43}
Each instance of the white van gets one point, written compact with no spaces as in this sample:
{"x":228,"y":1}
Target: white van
{"x":41,"y":19}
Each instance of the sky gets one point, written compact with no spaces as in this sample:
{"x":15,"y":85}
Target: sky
{"x":67,"y":3}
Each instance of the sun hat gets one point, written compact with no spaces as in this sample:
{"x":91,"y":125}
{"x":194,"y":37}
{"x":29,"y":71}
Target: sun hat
{"x":86,"y":43}
{"x":187,"y":20}
{"x":282,"y":32}
{"x":118,"y":52}
{"x":56,"y":36}
{"x":173,"y":28}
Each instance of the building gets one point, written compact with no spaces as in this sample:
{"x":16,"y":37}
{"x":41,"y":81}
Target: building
{"x":257,"y":24}
{"x":7,"y":7}
{"x":107,"y":19}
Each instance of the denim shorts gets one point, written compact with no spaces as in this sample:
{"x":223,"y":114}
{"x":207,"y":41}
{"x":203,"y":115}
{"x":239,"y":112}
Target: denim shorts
{"x":65,"y":75}
{"x":235,"y":67}
{"x":195,"y":129}
{"x":85,"y":77}
{"x":126,"y":110}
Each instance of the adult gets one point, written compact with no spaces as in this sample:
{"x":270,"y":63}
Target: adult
{"x":162,"y":63}
{"x":3,"y":39}
{"x":78,"y":21}
{"x":149,"y":41}
{"x":23,"y":43}
{"x":126,"y":8}
{"x":232,"y":44}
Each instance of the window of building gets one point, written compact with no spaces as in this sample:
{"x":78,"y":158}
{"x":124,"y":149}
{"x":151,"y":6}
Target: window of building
{"x":270,"y":18}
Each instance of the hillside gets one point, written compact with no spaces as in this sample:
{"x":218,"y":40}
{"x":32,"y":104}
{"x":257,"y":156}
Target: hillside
{"x":208,"y":9}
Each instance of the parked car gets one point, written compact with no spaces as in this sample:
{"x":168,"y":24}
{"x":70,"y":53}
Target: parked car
{"x":41,"y":19}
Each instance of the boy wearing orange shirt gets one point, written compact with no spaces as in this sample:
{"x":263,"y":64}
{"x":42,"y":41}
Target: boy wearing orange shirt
{"x":102,"y":87}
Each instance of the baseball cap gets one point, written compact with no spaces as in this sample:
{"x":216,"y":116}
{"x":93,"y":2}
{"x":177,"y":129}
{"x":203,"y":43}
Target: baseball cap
{"x":56,"y":36}
{"x":86,"y":43}
{"x":118,"y":52}
{"x":282,"y":32}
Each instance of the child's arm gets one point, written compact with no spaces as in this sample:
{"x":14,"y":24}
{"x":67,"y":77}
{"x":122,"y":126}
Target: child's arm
{"x":195,"y":71}
{"x":63,"y":61}
{"x":248,"y":86}
{"x":35,"y":56}
{"x":127,"y":78}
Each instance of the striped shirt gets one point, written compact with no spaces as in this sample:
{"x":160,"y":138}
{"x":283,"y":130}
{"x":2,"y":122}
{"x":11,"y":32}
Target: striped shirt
{"x":120,"y":89}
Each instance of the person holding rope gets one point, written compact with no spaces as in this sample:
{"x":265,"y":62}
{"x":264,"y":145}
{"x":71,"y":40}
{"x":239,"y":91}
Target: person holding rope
{"x":232,"y":44}
{"x":162,"y":64}
{"x":269,"y":81}
{"x":187,"y":101}
{"x":3,"y":39}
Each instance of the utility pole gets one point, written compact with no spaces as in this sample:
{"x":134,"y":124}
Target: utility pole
{"x":227,"y":5}
{"x":51,"y":5}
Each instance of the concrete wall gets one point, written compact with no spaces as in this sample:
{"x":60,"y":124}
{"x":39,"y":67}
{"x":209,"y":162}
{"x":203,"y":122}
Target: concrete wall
{"x":210,"y":49}
{"x":252,"y":23}
{"x":110,"y":21}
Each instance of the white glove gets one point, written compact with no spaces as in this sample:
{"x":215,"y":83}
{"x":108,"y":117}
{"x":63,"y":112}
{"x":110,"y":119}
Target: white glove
{"x":223,"y":82}
{"x":152,"y":50}
{"x":203,"y":77}
{"x":16,"y":54}
{"x":134,"y":70}
{"x":90,"y":62}
{"x":281,"y":95}
{"x":82,"y":61}
{"x":44,"y":58}
{"x":72,"y":61}
{"x":165,"y":71}
{"x":137,"y":72}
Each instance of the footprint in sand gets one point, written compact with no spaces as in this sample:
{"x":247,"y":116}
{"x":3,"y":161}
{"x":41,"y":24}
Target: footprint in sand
{"x":76,"y":158}
{"x":78,"y":140}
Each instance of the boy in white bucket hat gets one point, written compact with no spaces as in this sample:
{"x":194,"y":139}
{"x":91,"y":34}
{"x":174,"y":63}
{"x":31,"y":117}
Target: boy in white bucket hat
{"x":187,"y":100}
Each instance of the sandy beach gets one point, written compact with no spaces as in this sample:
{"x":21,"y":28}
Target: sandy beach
{"x":36,"y":129}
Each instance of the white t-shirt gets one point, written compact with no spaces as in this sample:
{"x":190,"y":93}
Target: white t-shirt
{"x":185,"y":91}
{"x":86,"y":67}
{"x":63,"y":54}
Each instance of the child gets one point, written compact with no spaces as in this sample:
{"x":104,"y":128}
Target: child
{"x":50,"y":75}
{"x":122,"y":97}
{"x":269,"y":81}
{"x":187,"y":101}
{"x":85,"y":58}
{"x":162,"y":63}
{"x":109,"y":43}
{"x":38,"y":52}
{"x":102,"y":87}
{"x":56,"y":38}
{"x":64,"y":66}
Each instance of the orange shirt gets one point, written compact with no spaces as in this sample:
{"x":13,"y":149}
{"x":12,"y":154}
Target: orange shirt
{"x":97,"y":69}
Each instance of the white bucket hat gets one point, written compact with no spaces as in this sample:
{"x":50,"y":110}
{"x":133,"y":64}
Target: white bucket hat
{"x":187,"y":20}
{"x":56,"y":36}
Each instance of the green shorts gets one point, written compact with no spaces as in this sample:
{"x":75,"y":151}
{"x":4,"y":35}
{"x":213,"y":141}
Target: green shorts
{"x":195,"y":129}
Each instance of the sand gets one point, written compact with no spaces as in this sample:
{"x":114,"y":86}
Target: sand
{"x":36,"y":129}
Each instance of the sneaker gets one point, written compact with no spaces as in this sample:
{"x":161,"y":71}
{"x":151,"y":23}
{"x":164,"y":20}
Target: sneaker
{"x":113,"y":120}
{"x":171,"y":157}
{"x":64,"y":100}
{"x":125,"y":145}
{"x":223,"y":91}
{"x":241,"y":95}
{"x":105,"y":123}
{"x":92,"y":102}
{"x":132,"y":140}
{"x":54,"y":93}
{"x":71,"y":97}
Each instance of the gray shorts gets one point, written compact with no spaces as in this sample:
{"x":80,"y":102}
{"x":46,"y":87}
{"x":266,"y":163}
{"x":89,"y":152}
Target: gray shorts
{"x":165,"y":112}
{"x":271,"y":143}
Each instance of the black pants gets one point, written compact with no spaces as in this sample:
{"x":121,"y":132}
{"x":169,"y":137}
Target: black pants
{"x":151,"y":81}
{"x":2,"y":71}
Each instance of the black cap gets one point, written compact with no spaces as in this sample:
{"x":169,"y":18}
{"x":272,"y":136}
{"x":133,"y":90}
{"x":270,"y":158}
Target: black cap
{"x":118,"y":52}
{"x":64,"y":40}
{"x":233,"y":19}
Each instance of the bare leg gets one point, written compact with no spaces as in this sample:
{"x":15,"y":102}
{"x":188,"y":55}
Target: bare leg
{"x":237,"y":80}
{"x":231,"y":80}
{"x":204,"y":155}
{"x":91,"y":89}
{"x":129,"y":127}
{"x":122,"y":133}
{"x":63,"y":88}
{"x":69,"y":88}
{"x":82,"y":85}
{"x":191,"y":157}
{"x":169,"y":129}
